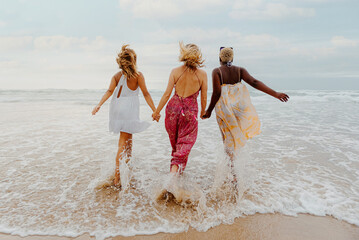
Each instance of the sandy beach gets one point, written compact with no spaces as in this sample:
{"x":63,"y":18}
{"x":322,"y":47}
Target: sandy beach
{"x":255,"y":227}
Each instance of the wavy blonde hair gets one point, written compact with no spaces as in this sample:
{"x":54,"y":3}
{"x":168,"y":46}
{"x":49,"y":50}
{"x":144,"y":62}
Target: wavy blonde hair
{"x":191,"y":55}
{"x":127,"y":61}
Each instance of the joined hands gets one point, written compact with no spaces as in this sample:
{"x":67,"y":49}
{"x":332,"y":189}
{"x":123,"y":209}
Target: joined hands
{"x":156,"y":116}
{"x":207,"y":114}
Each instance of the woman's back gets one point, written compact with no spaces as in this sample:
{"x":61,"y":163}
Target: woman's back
{"x":229,"y":75}
{"x":187,"y":81}
{"x":126,"y":88}
{"x":132,"y":83}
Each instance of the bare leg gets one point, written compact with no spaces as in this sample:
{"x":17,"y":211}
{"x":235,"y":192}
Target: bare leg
{"x":174,"y":169}
{"x":121,"y":151}
{"x":231,"y":162}
{"x":230,"y":155}
{"x":129,"y":148}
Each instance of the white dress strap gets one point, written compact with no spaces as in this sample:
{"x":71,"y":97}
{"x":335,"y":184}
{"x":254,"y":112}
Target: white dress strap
{"x":120,"y":82}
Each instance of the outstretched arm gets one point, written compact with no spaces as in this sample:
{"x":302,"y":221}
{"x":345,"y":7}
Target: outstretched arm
{"x":204,"y":88}
{"x":146,"y":94}
{"x":108,"y":93}
{"x":171,"y":82}
{"x":261,"y":86}
{"x":216,"y":93}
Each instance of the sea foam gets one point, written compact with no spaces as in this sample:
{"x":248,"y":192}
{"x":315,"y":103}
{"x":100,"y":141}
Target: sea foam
{"x":54,"y":156}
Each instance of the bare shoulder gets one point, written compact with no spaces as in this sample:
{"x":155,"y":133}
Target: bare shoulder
{"x":140,"y":75}
{"x":242,"y":69}
{"x":118,"y":75}
{"x":179,"y":68}
{"x":140,"y":78}
{"x":201,"y":72}
{"x":176,"y":70}
{"x":216,"y":70}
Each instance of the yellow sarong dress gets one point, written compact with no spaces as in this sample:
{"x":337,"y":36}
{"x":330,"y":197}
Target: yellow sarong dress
{"x":236,"y":116}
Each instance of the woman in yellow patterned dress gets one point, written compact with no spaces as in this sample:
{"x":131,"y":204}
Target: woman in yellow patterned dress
{"x":236,"y":116}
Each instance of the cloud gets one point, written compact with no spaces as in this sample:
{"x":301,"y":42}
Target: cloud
{"x":162,"y":46}
{"x":157,"y":9}
{"x":263,"y":9}
{"x":46,"y":43}
{"x":68,"y":60}
{"x":327,"y":48}
{"x":261,"y":40}
{"x":313,"y":52}
{"x":8,"y":64}
{"x":61,"y":42}
{"x":151,"y":9}
{"x":322,"y":49}
{"x":57,"y":42}
{"x":195,"y":35}
{"x":15,"y":43}
{"x":97,"y":44}
{"x":214,"y":36}
{"x":2,"y":24}
{"x":340,"y":41}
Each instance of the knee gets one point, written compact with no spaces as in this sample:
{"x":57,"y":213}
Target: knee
{"x":126,"y":135}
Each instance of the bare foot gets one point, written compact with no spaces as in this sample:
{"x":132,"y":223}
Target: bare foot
{"x":167,"y":196}
{"x":235,"y":185}
{"x":116,"y":180}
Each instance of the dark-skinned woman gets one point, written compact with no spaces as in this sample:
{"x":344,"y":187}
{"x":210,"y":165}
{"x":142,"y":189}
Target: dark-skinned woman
{"x":235,"y":113}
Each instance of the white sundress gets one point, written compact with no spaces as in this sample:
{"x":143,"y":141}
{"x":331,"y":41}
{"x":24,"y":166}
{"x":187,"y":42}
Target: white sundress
{"x":124,"y":115}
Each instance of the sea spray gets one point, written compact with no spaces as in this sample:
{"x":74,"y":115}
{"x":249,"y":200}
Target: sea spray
{"x":54,"y":154}
{"x":125,"y":175}
{"x":180,"y":189}
{"x":232,"y":176}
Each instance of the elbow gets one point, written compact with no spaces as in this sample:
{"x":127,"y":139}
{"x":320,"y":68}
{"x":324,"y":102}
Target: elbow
{"x":146,"y":94}
{"x":167,"y":95}
{"x":109,"y":91}
{"x":255,"y":83}
{"x":216,"y":95}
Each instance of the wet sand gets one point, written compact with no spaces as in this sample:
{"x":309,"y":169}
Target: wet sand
{"x":255,"y":227}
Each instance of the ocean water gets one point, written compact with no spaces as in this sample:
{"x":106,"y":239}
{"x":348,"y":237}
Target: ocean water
{"x":54,"y":156}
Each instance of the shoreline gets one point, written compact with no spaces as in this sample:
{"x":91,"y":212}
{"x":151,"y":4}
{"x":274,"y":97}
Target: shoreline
{"x":254,"y":227}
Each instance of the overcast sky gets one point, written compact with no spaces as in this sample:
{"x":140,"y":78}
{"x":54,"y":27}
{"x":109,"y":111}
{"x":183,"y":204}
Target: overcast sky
{"x":288,"y":44}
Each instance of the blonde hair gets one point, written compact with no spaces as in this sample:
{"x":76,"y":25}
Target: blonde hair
{"x":127,"y":61}
{"x":191,"y":55}
{"x":226,"y":54}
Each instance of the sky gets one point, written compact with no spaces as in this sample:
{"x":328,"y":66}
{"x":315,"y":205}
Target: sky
{"x":287,"y":44}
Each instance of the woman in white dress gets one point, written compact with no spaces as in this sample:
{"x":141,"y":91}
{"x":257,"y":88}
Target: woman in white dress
{"x":125,"y":107}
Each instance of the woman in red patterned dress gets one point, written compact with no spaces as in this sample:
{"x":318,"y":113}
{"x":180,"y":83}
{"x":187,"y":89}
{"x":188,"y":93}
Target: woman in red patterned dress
{"x":182,"y":110}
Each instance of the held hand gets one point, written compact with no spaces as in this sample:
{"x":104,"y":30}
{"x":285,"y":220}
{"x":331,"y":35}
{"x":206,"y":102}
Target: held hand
{"x":96,"y":109}
{"x":207,"y":114}
{"x":156,"y":116}
{"x":202,"y":113}
{"x":282,"y":96}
